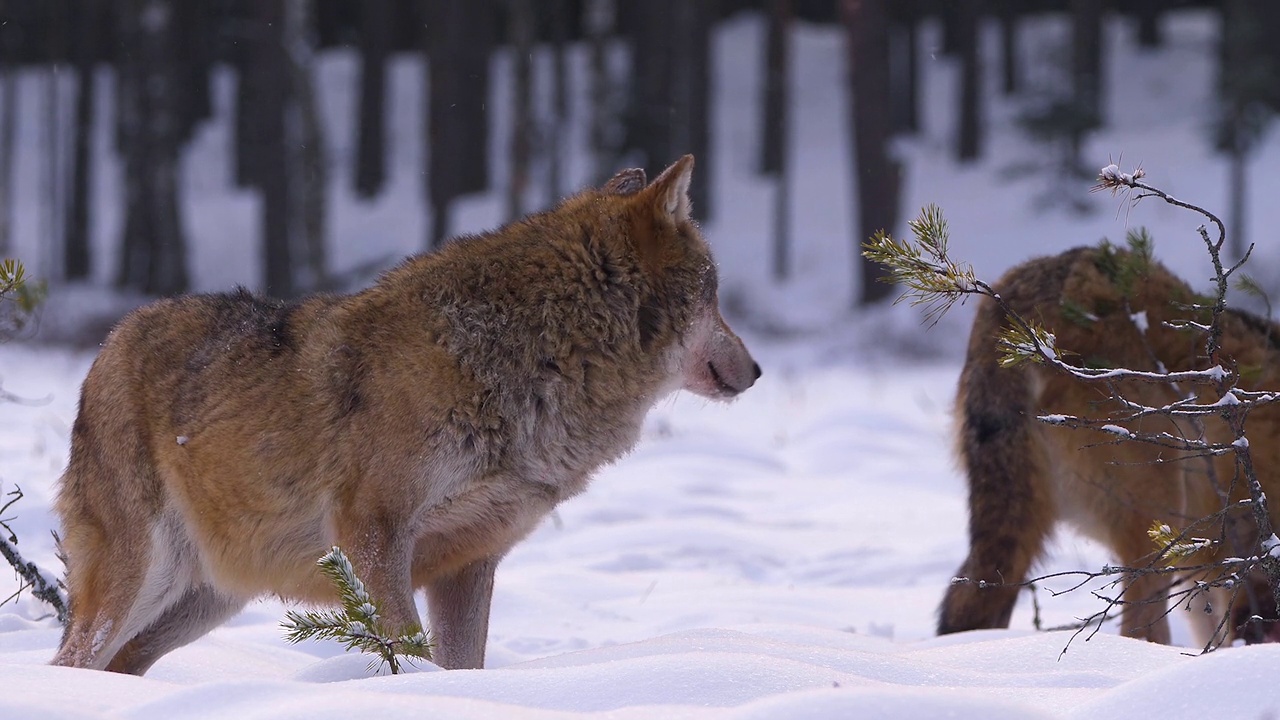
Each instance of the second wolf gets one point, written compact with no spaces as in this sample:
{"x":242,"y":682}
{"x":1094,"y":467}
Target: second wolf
{"x":425,"y":425}
{"x":1025,"y":475}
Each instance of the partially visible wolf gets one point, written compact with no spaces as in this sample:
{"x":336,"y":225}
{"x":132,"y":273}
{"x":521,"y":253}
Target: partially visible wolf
{"x":425,"y":425}
{"x":1025,"y":476}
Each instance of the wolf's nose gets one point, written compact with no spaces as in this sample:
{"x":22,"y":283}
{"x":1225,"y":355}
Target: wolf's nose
{"x":755,"y":366}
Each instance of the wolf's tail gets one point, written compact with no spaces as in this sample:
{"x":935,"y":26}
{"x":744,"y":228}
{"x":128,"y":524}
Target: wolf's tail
{"x":1010,"y":507}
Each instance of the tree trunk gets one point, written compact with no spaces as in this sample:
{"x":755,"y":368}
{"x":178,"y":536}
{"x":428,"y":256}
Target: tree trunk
{"x":949,"y":12}
{"x":969,"y":139}
{"x":776,"y":68}
{"x":8,"y":136}
{"x":1149,"y":13}
{"x":55,"y":185}
{"x":1009,"y":46}
{"x":247,"y":145}
{"x":1086,"y":71}
{"x":271,"y":80}
{"x":308,"y":170}
{"x":193,"y":57}
{"x":877,"y":175}
{"x":695,"y":54}
{"x":904,"y":68}
{"x":375,"y":42}
{"x":520,"y":20}
{"x":604,"y":134}
{"x":1086,"y":55}
{"x":8,"y":131}
{"x":458,"y":37}
{"x":76,"y":238}
{"x":555,"y":135}
{"x":154,"y":257}
{"x":651,"y":111}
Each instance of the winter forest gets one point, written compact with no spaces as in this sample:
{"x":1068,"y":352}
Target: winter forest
{"x":140,"y":78}
{"x":781,"y":556}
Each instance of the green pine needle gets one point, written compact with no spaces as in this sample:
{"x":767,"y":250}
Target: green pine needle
{"x":1018,"y":345}
{"x":923,"y":267}
{"x":358,"y":626}
{"x":1166,"y":538}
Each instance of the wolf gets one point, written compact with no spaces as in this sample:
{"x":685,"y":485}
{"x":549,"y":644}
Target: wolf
{"x":1026,"y":476}
{"x":225,"y":442}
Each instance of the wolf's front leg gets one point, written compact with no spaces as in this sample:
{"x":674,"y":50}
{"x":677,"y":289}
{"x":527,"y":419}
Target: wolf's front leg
{"x":459,"y":609}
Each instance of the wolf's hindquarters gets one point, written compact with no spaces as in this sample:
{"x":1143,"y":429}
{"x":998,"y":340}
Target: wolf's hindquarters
{"x":1010,"y":508}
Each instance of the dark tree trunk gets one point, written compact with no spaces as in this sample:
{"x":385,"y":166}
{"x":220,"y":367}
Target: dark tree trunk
{"x":288,"y":167}
{"x":375,"y":46}
{"x":248,"y":140}
{"x":693,"y":52}
{"x":775,"y":132}
{"x":154,"y":257}
{"x":559,"y":98}
{"x":1148,"y":14}
{"x":8,"y":133}
{"x":650,"y":111}
{"x":520,"y":30}
{"x":76,"y":256}
{"x":877,"y":175}
{"x":194,"y":60}
{"x":305,"y":147}
{"x":604,"y":135}
{"x":671,"y":68}
{"x":1244,"y":87}
{"x":904,"y":68}
{"x":1009,"y":46}
{"x":271,"y":78}
{"x":1086,"y":72}
{"x":1086,"y":56}
{"x":8,"y":137}
{"x":969,"y":129}
{"x":459,"y":38}
{"x":57,"y":40}
{"x":949,"y":11}
{"x":773,"y":139}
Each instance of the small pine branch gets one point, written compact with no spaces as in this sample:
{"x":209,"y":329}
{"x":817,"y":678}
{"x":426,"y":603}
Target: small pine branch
{"x":358,"y":626}
{"x":1173,"y":544}
{"x":19,"y":298}
{"x":929,"y":275}
{"x":1025,"y":342}
{"x":43,"y":586}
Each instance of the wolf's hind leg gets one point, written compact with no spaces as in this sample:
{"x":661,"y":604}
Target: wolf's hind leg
{"x":1010,"y":507}
{"x":120,"y":585}
{"x":198,"y":611}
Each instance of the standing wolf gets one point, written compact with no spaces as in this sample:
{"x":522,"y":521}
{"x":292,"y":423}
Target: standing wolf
{"x":425,"y":425}
{"x":1025,"y":476}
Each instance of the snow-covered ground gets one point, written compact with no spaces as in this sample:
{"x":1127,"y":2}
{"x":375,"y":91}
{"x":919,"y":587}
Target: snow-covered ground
{"x":779,"y":557}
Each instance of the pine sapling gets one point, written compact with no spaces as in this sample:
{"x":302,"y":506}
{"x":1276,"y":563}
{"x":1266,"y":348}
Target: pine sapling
{"x":358,"y":626}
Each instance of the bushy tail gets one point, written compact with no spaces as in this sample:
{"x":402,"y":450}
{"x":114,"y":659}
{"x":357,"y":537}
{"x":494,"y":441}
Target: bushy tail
{"x":1010,"y":508}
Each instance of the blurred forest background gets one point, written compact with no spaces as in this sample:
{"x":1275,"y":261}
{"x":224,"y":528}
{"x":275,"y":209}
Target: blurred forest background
{"x":647,"y":83}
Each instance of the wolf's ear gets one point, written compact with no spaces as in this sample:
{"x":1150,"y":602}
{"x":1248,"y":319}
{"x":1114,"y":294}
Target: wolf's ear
{"x":670,"y":190}
{"x":626,"y":182}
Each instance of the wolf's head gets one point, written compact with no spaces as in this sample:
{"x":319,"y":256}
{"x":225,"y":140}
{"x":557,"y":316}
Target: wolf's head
{"x":682,"y":300}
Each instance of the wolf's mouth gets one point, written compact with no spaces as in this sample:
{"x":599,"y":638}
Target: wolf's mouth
{"x":721,"y":385}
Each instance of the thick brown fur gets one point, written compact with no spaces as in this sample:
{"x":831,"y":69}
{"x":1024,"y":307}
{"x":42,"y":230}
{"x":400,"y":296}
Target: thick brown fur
{"x":1025,"y":475}
{"x":425,"y":425}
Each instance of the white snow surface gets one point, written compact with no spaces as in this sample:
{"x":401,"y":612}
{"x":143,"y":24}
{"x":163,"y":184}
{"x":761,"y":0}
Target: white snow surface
{"x":778,"y":557}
